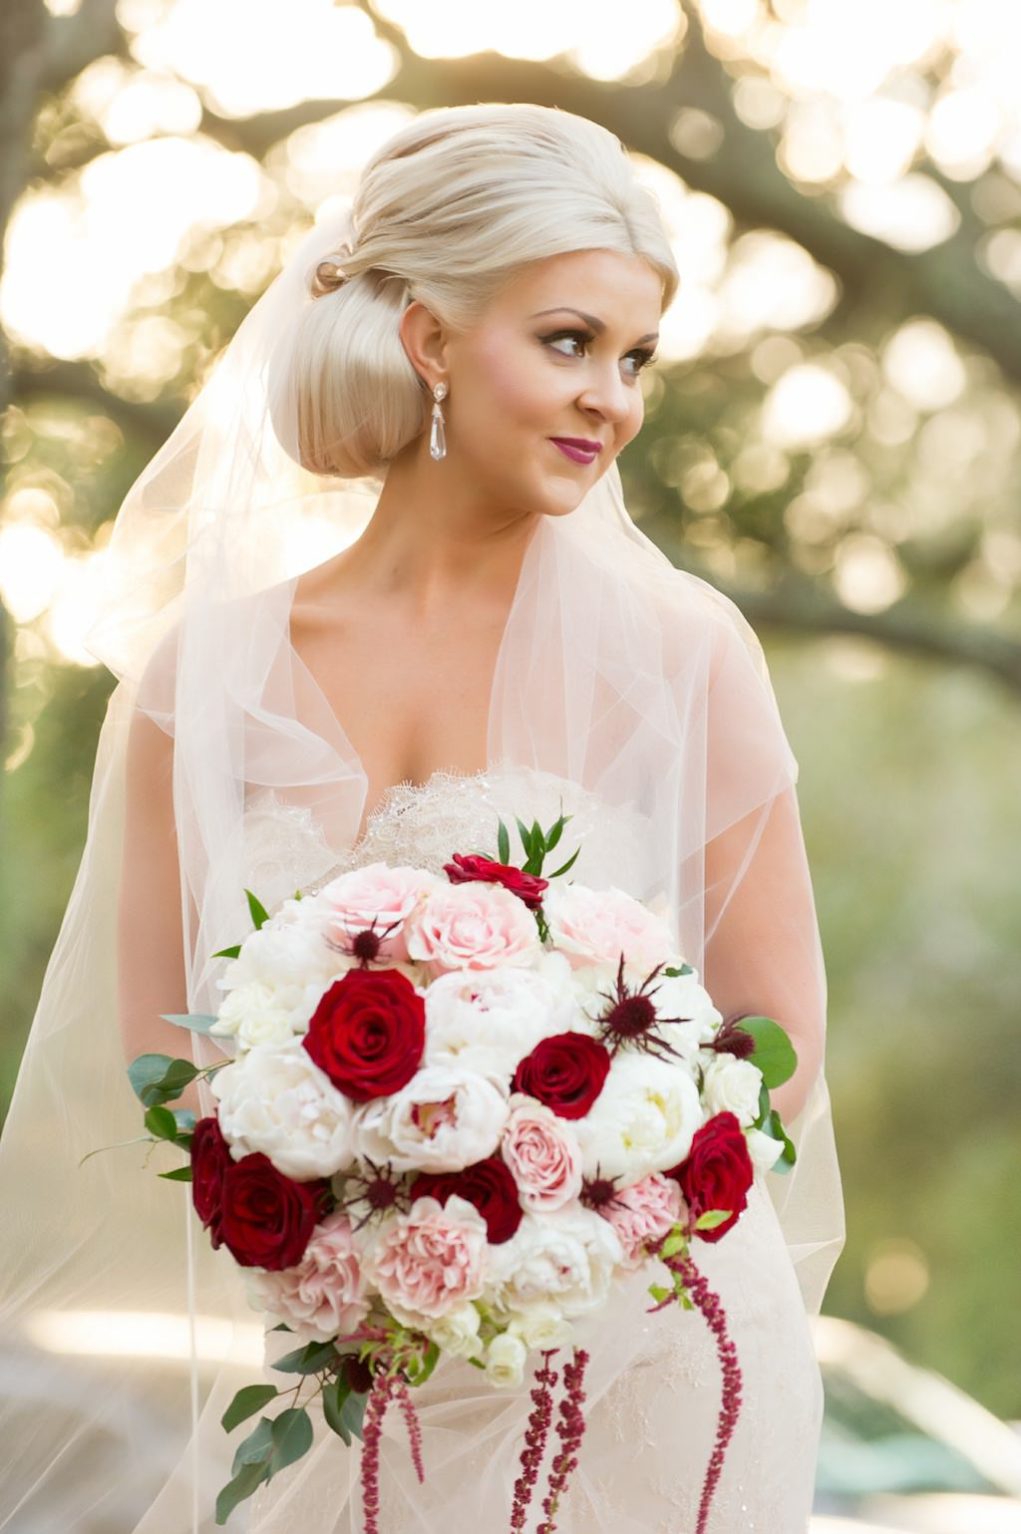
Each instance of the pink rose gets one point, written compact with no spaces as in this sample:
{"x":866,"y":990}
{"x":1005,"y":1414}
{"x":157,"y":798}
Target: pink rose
{"x":375,"y":898}
{"x":325,"y":1293}
{"x":472,"y":926}
{"x":644,"y":1212}
{"x":542,"y":1154}
{"x":597,"y":926}
{"x":430,"y":1260}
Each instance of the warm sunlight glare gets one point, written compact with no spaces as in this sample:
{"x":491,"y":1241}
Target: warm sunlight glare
{"x":146,"y":1334}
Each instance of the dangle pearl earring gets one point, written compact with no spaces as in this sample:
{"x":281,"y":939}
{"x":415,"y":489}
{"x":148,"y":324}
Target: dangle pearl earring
{"x":437,"y":434}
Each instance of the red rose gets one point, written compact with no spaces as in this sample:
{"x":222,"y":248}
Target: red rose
{"x":267,"y":1219}
{"x":565,"y":1071}
{"x":717,"y":1173}
{"x":210,"y":1158}
{"x":368,"y":1033}
{"x":468,"y":867}
{"x":488,"y":1184}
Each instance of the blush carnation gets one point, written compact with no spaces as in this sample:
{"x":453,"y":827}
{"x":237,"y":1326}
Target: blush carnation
{"x":325,"y":1293}
{"x":645,"y":1211}
{"x":429,"y":1261}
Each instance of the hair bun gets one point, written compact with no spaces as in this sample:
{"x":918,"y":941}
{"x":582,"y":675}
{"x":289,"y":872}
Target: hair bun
{"x":328,"y":277}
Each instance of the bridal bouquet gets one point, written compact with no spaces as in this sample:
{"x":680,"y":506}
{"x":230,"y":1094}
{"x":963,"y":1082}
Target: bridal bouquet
{"x":458,"y":1108}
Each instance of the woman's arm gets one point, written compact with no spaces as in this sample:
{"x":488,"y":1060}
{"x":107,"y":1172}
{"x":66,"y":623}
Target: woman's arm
{"x":151,"y":961}
{"x":763,"y":952}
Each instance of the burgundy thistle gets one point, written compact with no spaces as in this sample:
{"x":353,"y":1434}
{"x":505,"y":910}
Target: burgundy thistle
{"x":570,"y":1428}
{"x":732,"y":1039}
{"x":631,"y":1017}
{"x":536,"y":1435}
{"x":364,"y":944}
{"x":711,"y":1307}
{"x":379,"y":1189}
{"x":470,"y":867}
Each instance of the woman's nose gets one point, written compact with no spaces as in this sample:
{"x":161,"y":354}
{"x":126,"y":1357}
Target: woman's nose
{"x":607,"y":393}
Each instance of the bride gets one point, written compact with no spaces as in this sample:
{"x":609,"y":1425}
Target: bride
{"x":378,"y":589}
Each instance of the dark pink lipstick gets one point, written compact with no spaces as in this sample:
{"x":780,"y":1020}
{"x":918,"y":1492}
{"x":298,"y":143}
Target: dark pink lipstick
{"x":580,"y":449}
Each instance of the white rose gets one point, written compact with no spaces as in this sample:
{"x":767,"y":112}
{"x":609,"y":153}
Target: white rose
{"x":763,"y":1149}
{"x":566,"y":1259}
{"x":444,"y":1119}
{"x":542,"y":1327}
{"x":683,"y":997}
{"x":597,"y":926}
{"x":488,"y":1020}
{"x":643,"y":1120}
{"x":457,"y":1332}
{"x":732,"y":1086}
{"x":505,"y":1360}
{"x":277,"y":1100}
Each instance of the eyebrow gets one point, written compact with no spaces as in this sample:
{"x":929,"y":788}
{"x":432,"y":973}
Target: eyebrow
{"x":590,"y":319}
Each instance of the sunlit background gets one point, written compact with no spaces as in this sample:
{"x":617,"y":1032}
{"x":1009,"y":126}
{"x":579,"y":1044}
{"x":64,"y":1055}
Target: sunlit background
{"x":833,"y":437}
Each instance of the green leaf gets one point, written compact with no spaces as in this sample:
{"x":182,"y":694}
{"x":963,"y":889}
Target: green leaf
{"x":144,"y":1071}
{"x":763,"y":1107}
{"x":526,"y":836}
{"x":248,"y":1480}
{"x":555,"y":832}
{"x":674,"y":1243}
{"x":292,"y":1437}
{"x":257,"y":1448}
{"x":565,"y":866}
{"x":246,"y":1403}
{"x":282,"y":1327}
{"x":353,"y":1412}
{"x":259,"y":913}
{"x":420,"y":1369}
{"x":788,"y":1156}
{"x":685,"y":969}
{"x":227,"y":953}
{"x":659,"y":1293}
{"x":712,"y":1218}
{"x":184,"y":1118}
{"x":179,"y":1174}
{"x":161,"y":1123}
{"x":503,"y":843}
{"x":774,"y":1053}
{"x":308,"y":1359}
{"x":195,"y":1022}
{"x":335,"y":1393}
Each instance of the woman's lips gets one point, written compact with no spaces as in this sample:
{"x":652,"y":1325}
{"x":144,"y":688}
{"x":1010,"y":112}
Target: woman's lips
{"x":575,"y":450}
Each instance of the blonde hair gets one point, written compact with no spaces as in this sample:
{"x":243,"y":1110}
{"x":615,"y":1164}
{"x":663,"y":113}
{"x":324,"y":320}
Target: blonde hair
{"x":445,"y":212}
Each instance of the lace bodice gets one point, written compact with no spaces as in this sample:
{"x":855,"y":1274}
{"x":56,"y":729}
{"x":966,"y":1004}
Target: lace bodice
{"x":424,"y":824}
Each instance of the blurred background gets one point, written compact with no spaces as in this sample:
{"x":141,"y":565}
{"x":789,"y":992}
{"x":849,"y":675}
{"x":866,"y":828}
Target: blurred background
{"x":833,"y":438}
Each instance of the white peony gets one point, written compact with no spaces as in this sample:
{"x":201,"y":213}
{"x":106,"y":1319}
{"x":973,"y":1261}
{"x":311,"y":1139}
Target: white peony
{"x":643,"y":1120}
{"x":564,"y":1259}
{"x":488,"y":1020}
{"x":281,"y":972}
{"x":732,"y":1086}
{"x":506,"y":1357}
{"x":444,"y":1119}
{"x":277,"y":1100}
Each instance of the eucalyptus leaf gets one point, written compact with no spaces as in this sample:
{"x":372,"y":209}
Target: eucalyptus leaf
{"x":292,"y":1437}
{"x":308,"y":1359}
{"x":354,"y":1411}
{"x":145,"y":1070}
{"x":774,"y":1054}
{"x":335,"y":1393}
{"x":246,"y":1403}
{"x":161,"y":1123}
{"x":257,"y":1448}
{"x":247,"y":1480}
{"x":195,"y":1022}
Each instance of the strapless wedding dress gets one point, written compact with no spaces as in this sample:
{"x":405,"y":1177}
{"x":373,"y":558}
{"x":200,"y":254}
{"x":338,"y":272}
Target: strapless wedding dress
{"x":650,"y":1434}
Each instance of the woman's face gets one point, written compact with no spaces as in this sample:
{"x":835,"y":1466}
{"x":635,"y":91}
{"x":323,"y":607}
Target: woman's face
{"x":555,"y":358}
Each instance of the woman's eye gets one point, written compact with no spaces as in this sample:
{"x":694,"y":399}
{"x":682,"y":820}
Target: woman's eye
{"x":641,"y":357}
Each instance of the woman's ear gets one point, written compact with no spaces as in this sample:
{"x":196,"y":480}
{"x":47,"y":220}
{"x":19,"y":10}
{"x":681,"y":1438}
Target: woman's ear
{"x":425,"y":343}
